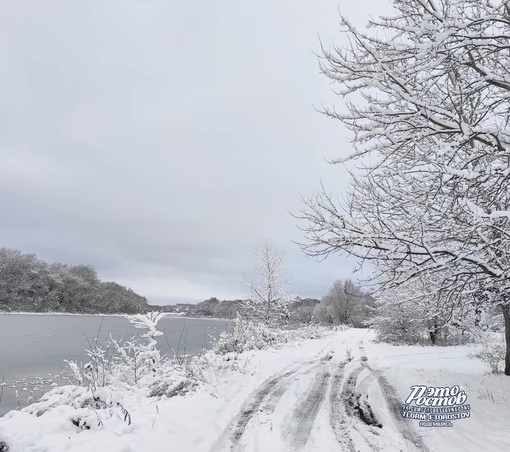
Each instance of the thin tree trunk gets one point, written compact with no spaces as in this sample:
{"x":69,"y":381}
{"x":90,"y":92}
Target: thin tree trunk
{"x":433,"y":336}
{"x":506,"y":315}
{"x":434,"y":332}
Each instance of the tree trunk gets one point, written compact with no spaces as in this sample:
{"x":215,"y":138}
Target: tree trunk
{"x":433,"y":336}
{"x":506,"y":315}
{"x":433,"y":332}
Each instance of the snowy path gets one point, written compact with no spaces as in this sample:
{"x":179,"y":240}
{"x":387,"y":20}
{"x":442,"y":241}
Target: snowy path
{"x":321,"y":402}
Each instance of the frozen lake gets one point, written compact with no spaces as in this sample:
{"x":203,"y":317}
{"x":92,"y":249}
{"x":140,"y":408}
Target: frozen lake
{"x":34,"y":346}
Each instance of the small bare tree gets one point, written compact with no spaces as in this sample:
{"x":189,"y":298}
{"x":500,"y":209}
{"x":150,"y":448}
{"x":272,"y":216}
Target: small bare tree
{"x":268,"y":300}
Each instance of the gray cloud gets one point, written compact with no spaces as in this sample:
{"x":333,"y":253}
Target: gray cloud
{"x":161,"y":141}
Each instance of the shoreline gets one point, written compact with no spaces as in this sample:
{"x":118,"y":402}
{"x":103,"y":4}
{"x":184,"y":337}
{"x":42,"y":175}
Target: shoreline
{"x":61,"y":314}
{"x":109,"y":315}
{"x":201,"y":318}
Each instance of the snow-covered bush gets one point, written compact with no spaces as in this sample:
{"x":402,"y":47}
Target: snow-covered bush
{"x":136,"y":363}
{"x":114,"y":370}
{"x":245,"y":335}
{"x":491,"y":351}
{"x":404,"y":317}
{"x":213,"y":364}
{"x":404,"y":329}
{"x":398,"y":327}
{"x":85,"y":408}
{"x":310,"y":332}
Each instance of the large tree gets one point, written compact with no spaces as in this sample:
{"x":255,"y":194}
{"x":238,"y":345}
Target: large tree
{"x":428,"y":101}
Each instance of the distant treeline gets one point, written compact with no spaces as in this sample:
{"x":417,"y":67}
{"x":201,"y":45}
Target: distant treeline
{"x":300,"y":310}
{"x":345,"y":304}
{"x":31,"y":285}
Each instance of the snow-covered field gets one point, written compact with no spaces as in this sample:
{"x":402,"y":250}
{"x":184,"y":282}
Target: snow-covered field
{"x":340,"y":392}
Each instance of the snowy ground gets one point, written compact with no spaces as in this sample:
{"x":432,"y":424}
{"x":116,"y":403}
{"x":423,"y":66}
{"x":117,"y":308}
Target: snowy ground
{"x":342,"y":392}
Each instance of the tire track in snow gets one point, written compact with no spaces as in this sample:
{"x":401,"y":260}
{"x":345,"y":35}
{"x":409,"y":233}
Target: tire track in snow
{"x":356,"y":406}
{"x":355,"y":400}
{"x":337,"y":414}
{"x":360,"y":402}
{"x":394,"y":402}
{"x":306,"y":410}
{"x":276,"y":394}
{"x":348,"y":393}
{"x":253,"y":404}
{"x":236,"y":427}
{"x":265,"y":398}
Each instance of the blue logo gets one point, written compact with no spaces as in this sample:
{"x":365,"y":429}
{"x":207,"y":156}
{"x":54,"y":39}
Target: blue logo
{"x":436,"y":406}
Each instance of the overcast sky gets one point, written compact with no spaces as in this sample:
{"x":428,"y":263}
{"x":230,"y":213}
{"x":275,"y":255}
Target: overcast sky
{"x":160,"y":141}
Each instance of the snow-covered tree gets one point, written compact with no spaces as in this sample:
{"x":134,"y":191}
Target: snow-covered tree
{"x":267,"y":298}
{"x":418,"y":312}
{"x":29,"y":284}
{"x":301,"y":310}
{"x":346,"y":304}
{"x":428,"y":102}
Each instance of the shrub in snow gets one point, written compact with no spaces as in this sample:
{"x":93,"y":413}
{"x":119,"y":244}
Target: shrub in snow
{"x":113,"y":369}
{"x":245,"y":335}
{"x":135,"y":363}
{"x":213,"y":363}
{"x":491,"y":351}
{"x":397,"y":323}
{"x":171,"y":383}
{"x":85,"y":408}
{"x":423,"y":320}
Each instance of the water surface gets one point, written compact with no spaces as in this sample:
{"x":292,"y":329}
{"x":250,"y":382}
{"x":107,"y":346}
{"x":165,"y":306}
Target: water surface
{"x":34,"y":346}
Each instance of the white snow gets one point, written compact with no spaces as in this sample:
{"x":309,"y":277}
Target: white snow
{"x":283,"y":400}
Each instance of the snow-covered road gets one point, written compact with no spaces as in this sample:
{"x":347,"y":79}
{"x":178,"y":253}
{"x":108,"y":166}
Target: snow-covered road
{"x":321,"y":403}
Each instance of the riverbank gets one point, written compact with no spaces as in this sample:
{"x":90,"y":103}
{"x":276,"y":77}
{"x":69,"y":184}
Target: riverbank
{"x":167,"y":314}
{"x":34,"y":346}
{"x":61,"y":313}
{"x":189,"y":422}
{"x":340,"y":391}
